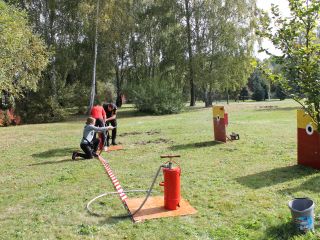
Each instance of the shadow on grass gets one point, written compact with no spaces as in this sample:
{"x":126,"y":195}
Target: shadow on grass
{"x":114,"y":219}
{"x":275,"y":176}
{"x":57,"y":162}
{"x":195,"y":145}
{"x":276,"y":108}
{"x":281,"y":232}
{"x":58,"y":152}
{"x":189,"y":109}
{"x":131,"y":113}
{"x":312,"y":185}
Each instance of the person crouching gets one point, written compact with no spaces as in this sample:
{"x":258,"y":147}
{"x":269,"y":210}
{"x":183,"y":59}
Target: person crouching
{"x":89,"y":144}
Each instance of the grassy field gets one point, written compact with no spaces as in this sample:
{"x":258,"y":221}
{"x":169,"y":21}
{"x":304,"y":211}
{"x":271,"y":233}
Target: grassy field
{"x":240,"y":189}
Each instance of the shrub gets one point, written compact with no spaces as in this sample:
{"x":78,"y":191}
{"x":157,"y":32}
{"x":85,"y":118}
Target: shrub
{"x":40,"y":110}
{"x":259,"y":93}
{"x":106,"y":92}
{"x":6,"y":121}
{"x":244,"y":94}
{"x":279,"y":93}
{"x":158,"y":96}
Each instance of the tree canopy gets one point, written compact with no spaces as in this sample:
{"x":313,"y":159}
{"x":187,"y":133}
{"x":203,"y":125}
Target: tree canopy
{"x":296,"y":37}
{"x":198,"y":49}
{"x":23,"y":55}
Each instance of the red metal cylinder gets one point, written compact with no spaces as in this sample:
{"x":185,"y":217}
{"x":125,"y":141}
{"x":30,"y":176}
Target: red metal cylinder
{"x":226,"y":119}
{"x":171,"y":188}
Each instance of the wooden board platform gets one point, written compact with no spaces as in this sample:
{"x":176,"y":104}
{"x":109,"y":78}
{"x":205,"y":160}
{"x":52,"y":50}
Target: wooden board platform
{"x":154,"y":208}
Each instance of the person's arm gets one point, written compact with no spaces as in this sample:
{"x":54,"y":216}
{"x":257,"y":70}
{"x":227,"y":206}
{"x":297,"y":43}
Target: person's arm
{"x":111,"y":118}
{"x":114,"y":116}
{"x":101,"y":129}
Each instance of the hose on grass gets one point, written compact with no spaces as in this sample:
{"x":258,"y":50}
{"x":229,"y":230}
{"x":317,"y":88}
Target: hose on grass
{"x":129,"y":191}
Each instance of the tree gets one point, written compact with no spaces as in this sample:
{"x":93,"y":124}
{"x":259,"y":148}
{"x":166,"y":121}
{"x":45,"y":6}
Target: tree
{"x":23,"y":54}
{"x":244,"y":94}
{"x":157,"y":53}
{"x":190,"y":54}
{"x":224,"y":37}
{"x":258,"y":85}
{"x":93,"y":86}
{"x":279,"y":92}
{"x":296,"y":37}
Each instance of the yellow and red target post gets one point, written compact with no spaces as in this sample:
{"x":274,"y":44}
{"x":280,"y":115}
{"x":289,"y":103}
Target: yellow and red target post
{"x":220,"y":123}
{"x":308,"y":141}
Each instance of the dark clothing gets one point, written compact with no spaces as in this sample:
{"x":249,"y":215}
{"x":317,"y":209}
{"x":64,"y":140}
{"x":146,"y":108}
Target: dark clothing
{"x":110,"y":113}
{"x":89,"y":144}
{"x":100,"y":123}
{"x":113,"y":109}
{"x":88,"y":149}
{"x":114,"y":131}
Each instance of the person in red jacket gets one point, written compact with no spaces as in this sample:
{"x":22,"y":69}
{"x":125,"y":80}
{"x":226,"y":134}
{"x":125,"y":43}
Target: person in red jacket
{"x":98,"y":113}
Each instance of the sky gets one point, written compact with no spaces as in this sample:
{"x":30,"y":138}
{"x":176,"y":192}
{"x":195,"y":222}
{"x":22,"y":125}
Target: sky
{"x":284,"y":10}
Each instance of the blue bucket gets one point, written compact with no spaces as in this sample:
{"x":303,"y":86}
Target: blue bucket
{"x":302,"y":211}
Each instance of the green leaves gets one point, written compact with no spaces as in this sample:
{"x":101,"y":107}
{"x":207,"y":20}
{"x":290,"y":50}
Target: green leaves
{"x":300,"y":60}
{"x":23,"y":55}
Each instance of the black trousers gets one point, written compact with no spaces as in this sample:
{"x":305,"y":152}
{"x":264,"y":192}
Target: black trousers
{"x":89,"y":148}
{"x":100,"y":123}
{"x":113,"y":123}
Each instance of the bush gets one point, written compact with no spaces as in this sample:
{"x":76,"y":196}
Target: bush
{"x":244,"y":94}
{"x":158,"y":96}
{"x":6,"y":121}
{"x":259,"y":93}
{"x":34,"y":110}
{"x":279,"y":93}
{"x":258,"y":85}
{"x":106,"y":92}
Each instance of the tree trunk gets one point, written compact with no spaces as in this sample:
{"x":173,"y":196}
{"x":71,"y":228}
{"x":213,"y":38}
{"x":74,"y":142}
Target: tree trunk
{"x":93,"y":86}
{"x":118,"y":86}
{"x":51,"y":11}
{"x":208,"y":98}
{"x":191,"y":72}
{"x":227,"y":92}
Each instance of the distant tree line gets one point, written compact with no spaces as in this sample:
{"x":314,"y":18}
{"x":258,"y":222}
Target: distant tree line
{"x":159,"y":54}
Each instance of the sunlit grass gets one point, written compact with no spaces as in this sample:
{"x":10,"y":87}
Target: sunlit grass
{"x":240,"y":189}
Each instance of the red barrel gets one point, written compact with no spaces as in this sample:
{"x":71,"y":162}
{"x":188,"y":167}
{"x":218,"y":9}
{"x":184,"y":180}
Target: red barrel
{"x":171,"y":187}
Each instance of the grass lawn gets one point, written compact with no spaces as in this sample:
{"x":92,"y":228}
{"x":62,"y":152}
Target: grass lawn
{"x":240,"y":189}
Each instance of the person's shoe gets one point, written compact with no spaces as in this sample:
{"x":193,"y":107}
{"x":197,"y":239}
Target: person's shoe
{"x":114,"y":143}
{"x":95,"y":154}
{"x":74,"y":155}
{"x":105,"y":148}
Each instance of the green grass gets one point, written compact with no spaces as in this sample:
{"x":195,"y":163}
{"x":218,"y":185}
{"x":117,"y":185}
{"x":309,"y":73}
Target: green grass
{"x":240,"y":189}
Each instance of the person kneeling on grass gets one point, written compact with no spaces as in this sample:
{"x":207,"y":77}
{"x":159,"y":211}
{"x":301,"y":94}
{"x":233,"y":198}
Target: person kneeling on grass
{"x":89,"y":144}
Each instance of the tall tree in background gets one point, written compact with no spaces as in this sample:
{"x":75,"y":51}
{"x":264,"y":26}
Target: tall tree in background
{"x":223,"y":37}
{"x":296,"y":37}
{"x":93,"y":86}
{"x":190,"y":46}
{"x":190,"y":54}
{"x":23,"y":54}
{"x":158,"y":56}
{"x":116,"y":42}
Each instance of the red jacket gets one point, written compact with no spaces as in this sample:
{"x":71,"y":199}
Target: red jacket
{"x":98,"y":112}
